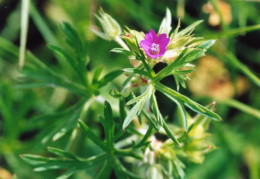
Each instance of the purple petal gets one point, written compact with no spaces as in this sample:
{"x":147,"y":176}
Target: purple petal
{"x":145,"y":45}
{"x":151,"y":38}
{"x":163,"y":40}
{"x":153,"y":35}
{"x":148,"y":38}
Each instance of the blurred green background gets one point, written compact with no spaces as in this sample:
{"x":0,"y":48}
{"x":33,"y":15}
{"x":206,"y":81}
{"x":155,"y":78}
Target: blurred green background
{"x":229,"y":74}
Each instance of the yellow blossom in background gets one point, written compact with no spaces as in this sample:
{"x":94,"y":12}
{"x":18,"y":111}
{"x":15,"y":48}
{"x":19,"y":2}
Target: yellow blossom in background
{"x":4,"y":174}
{"x":214,"y":80}
{"x":214,"y":19}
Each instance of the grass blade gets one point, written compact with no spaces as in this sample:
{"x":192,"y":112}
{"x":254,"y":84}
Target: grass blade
{"x":24,"y":31}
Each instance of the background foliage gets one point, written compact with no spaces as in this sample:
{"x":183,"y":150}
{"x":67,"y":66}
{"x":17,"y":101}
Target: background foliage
{"x":229,"y":75}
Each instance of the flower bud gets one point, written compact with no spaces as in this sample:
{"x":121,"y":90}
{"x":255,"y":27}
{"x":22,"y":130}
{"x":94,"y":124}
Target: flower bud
{"x":110,"y":26}
{"x":130,"y":37}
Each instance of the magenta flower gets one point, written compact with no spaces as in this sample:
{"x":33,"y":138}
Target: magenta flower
{"x":155,"y":46}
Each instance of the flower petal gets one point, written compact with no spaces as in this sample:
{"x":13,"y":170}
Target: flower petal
{"x":163,"y":40}
{"x":152,"y":38}
{"x":145,"y":45}
{"x":153,"y":35}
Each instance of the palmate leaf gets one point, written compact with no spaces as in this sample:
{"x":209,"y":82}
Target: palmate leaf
{"x":44,"y":163}
{"x":70,"y":60}
{"x":67,"y":126}
{"x":52,"y":79}
{"x":73,"y":39}
{"x":140,"y":101}
{"x":180,"y":77}
{"x":37,"y":70}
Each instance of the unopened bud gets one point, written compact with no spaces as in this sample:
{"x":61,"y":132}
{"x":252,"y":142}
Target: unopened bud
{"x":110,"y":26}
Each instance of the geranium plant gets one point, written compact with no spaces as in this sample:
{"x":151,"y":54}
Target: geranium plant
{"x":130,"y":137}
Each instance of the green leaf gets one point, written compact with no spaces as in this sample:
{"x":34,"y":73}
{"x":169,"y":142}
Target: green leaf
{"x":179,"y":168}
{"x":37,"y":70}
{"x":169,"y":132}
{"x":68,"y":173}
{"x":70,"y":60}
{"x":184,"y":58}
{"x":138,"y":106}
{"x":72,"y":37}
{"x":122,"y":172}
{"x":52,"y":79}
{"x":132,"y":113}
{"x":62,"y":153}
{"x":141,"y":97}
{"x":202,"y":119}
{"x":146,"y":136}
{"x":123,"y":51}
{"x":58,"y":115}
{"x":109,"y":77}
{"x":122,"y":109}
{"x":127,"y":153}
{"x":44,"y":163}
{"x":156,"y":110}
{"x":67,"y":126}
{"x":58,"y":51}
{"x":118,"y":135}
{"x":92,"y":136}
{"x":207,"y":44}
{"x":140,"y":72}
{"x":106,"y":170}
{"x":170,"y":68}
{"x":206,"y":112}
{"x":184,"y":116}
{"x":110,"y":128}
{"x":152,"y":119}
{"x":34,"y":85}
{"x":188,"y":29}
{"x":128,"y":79}
{"x":97,"y":74}
{"x":177,"y":97}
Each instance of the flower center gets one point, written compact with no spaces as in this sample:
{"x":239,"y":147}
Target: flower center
{"x":155,"y":49}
